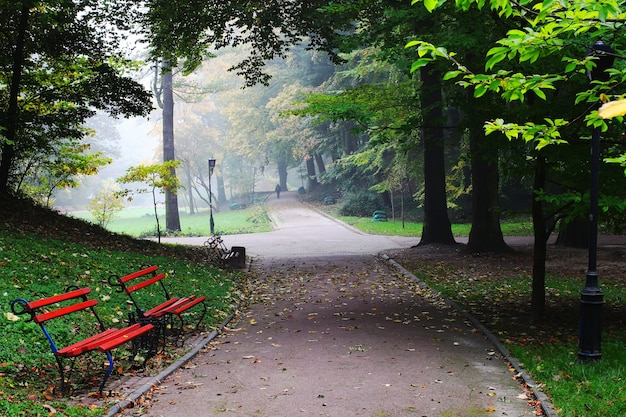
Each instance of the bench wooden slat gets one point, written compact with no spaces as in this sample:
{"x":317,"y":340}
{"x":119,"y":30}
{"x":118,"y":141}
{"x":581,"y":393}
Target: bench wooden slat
{"x":138,"y":274}
{"x":180,"y":305}
{"x":40,"y":318}
{"x":175,"y":306}
{"x":83,"y":346}
{"x":145,"y":283}
{"x":158,"y":311}
{"x":190,"y":303}
{"x":117,"y":334}
{"x":58,"y":298}
{"x":127,"y":335}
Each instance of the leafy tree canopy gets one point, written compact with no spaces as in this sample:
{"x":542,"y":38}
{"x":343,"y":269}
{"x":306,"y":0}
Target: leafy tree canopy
{"x":544,"y":30}
{"x":60,"y":61}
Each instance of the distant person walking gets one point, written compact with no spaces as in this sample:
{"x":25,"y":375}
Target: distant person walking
{"x":277,"y":189}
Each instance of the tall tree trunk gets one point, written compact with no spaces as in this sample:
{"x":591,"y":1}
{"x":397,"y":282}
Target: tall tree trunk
{"x":485,"y":234}
{"x":192,"y":204}
{"x":574,"y":234}
{"x":538,"y":296}
{"x":436,"y":227}
{"x":172,"y":218}
{"x":282,"y":174}
{"x":350,"y":143}
{"x":321,"y":167}
{"x":221,"y":190}
{"x":311,"y":176}
{"x":11,"y":116}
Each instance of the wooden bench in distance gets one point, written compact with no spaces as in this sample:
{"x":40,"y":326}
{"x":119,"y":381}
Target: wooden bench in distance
{"x":144,"y":282}
{"x":74,"y":301}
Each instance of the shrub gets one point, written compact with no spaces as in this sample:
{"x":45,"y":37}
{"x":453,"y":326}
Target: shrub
{"x":258,"y":215}
{"x":361,"y":204}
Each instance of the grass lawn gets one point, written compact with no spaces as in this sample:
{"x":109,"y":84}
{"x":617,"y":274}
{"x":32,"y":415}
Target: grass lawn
{"x":141,"y":222}
{"x":496,"y":289}
{"x":34,"y":266}
{"x":396,"y":227}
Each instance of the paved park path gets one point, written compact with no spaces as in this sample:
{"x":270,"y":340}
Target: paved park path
{"x":334,"y":330}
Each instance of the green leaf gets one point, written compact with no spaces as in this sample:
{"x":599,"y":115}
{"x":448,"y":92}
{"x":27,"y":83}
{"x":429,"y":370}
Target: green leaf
{"x":480,"y":90}
{"x":431,"y":4}
{"x":539,"y":93}
{"x":451,"y":74}
{"x":422,"y":62}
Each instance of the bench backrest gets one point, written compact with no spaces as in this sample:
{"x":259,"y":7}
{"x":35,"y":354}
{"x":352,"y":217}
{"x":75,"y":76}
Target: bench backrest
{"x":216,"y":243}
{"x":137,"y":280}
{"x":49,"y":308}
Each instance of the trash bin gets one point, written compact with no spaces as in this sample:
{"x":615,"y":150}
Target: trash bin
{"x":379,"y":216}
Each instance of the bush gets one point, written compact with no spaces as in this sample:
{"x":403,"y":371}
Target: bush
{"x":258,"y":215}
{"x":361,"y":204}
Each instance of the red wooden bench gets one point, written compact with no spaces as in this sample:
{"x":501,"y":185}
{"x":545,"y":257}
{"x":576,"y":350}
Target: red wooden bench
{"x":161,"y":314}
{"x":74,"y":301}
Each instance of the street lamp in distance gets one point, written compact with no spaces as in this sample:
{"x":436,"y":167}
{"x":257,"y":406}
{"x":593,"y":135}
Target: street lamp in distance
{"x":211,"y":222}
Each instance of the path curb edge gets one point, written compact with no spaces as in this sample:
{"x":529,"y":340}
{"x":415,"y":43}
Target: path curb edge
{"x":546,"y":405}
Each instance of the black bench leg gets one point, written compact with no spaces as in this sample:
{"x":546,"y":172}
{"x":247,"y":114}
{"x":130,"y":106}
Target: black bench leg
{"x":202,"y":314}
{"x":180,"y":340}
{"x":62,"y":373}
{"x":107,"y":374}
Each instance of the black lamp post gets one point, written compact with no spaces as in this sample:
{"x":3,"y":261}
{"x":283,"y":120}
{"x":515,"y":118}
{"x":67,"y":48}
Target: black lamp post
{"x":592,"y":297}
{"x":211,"y":222}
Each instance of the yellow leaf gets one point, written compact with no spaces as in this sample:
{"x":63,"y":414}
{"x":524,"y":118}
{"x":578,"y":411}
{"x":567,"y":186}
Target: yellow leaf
{"x":612,"y":109}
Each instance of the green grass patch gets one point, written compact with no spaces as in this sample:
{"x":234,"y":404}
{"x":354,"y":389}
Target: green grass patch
{"x":411,"y":229}
{"x":515,"y":226}
{"x":548,"y":350}
{"x":140,"y":222}
{"x":576,"y":389}
{"x":33,"y":266}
